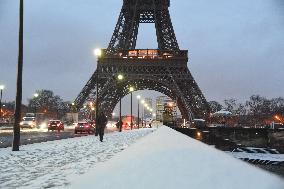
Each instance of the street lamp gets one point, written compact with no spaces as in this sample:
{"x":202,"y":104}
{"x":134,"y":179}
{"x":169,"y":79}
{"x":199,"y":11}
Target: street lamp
{"x":1,"y":91}
{"x":120,"y":78}
{"x":143,"y":103}
{"x":131,"y":89}
{"x":35,"y":96}
{"x":138,"y":97}
{"x":98,"y":53}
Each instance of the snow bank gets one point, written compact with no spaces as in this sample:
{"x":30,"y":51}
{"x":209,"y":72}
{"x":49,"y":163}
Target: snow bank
{"x":168,"y":159}
{"x":47,"y":165}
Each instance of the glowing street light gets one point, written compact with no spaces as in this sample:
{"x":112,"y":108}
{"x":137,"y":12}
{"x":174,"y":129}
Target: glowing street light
{"x":277,"y":117}
{"x":35,"y":96}
{"x":98,"y":52}
{"x":198,"y":134}
{"x":120,"y":77}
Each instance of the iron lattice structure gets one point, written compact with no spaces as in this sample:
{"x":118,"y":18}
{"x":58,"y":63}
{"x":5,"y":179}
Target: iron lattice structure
{"x":164,"y":69}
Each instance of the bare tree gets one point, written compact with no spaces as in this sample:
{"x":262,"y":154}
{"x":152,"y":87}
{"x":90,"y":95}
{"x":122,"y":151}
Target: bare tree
{"x":259,"y":105}
{"x":46,"y":100}
{"x":214,"y":106}
{"x":230,"y":104}
{"x":277,"y":105}
{"x":16,"y":139}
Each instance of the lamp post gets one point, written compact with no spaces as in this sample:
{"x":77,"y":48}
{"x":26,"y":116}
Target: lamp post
{"x":98,"y":53}
{"x":120,"y":78}
{"x":143,"y":103}
{"x":131,"y":89}
{"x":35,"y":96}
{"x":1,"y":91}
{"x":138,"y":97}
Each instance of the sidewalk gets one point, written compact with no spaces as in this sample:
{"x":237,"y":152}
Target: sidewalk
{"x":166,"y":159}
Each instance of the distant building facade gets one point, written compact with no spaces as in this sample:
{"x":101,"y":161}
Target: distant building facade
{"x":161,"y":103}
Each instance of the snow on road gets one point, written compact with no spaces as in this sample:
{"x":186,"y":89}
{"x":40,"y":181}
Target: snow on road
{"x":47,"y":165}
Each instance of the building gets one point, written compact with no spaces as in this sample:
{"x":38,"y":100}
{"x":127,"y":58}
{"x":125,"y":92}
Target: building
{"x":161,"y":103}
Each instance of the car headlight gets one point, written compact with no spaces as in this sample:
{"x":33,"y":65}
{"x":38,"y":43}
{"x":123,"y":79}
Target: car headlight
{"x":21,"y":123}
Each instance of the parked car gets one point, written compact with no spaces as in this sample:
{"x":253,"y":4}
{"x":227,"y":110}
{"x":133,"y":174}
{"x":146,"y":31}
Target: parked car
{"x":28,"y":122}
{"x":198,"y":123}
{"x":55,"y":125}
{"x":84,"y":127}
{"x":92,"y":123}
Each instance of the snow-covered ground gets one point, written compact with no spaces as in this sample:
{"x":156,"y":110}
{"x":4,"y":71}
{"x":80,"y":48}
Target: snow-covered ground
{"x":47,"y":165}
{"x":162,"y":159}
{"x":167,"y":159}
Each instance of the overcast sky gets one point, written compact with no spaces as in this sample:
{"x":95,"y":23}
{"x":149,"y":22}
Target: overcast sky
{"x":236,"y":47}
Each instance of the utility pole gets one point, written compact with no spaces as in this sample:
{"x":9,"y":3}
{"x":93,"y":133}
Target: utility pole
{"x":18,"y":106}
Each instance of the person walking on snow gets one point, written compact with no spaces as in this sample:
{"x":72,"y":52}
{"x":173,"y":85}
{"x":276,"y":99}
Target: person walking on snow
{"x":101,"y":125}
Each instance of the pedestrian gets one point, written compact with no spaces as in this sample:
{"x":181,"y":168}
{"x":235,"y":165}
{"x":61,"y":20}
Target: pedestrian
{"x":119,"y":124}
{"x":101,"y":125}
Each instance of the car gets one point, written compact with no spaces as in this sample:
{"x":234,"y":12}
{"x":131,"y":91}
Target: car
{"x":84,"y":127}
{"x":28,"y":122}
{"x":198,"y":123}
{"x":92,"y":123}
{"x":55,"y":125}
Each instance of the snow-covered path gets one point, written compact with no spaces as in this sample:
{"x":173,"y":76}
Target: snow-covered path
{"x":47,"y":165}
{"x":167,"y":159}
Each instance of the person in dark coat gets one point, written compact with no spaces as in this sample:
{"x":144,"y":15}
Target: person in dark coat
{"x":119,"y":124}
{"x":101,"y":125}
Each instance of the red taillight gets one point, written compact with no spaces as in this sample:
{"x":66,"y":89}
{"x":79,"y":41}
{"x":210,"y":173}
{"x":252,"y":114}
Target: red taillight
{"x":87,"y":126}
{"x":58,"y":124}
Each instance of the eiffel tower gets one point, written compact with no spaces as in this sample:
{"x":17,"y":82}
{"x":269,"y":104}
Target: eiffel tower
{"x":164,"y":69}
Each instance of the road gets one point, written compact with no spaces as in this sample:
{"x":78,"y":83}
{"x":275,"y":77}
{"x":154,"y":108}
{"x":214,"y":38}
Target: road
{"x":29,"y":136}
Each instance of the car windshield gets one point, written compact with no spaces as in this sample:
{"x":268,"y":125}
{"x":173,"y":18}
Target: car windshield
{"x":54,"y":122}
{"x":28,"y":119}
{"x":82,"y":124}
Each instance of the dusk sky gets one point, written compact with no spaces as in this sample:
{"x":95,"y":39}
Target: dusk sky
{"x":236,"y":47}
